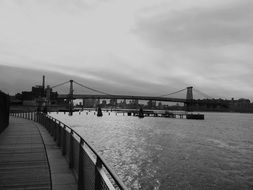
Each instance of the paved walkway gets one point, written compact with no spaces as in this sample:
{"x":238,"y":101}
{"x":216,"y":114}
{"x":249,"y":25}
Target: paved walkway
{"x":30,"y":159}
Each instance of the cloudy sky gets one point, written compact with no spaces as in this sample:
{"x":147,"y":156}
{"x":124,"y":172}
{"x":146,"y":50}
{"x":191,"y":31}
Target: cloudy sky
{"x":136,"y":46}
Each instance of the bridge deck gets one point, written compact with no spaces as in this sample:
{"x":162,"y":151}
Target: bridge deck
{"x":30,"y":159}
{"x":127,"y":97}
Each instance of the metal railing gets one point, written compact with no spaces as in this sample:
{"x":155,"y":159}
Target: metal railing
{"x":90,"y":169}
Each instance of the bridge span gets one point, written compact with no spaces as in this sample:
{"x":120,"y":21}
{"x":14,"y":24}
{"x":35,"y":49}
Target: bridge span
{"x":126,"y":97}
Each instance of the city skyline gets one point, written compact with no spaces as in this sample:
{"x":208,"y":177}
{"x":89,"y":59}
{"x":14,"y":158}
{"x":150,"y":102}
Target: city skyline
{"x":134,"y":47}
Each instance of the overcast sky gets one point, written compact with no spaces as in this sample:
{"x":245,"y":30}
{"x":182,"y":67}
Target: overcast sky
{"x":135,"y":46}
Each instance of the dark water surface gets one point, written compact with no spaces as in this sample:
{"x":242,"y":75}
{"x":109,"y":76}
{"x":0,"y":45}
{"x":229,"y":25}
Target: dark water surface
{"x":162,"y":153}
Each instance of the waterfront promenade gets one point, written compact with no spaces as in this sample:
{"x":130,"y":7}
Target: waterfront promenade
{"x":30,"y":159}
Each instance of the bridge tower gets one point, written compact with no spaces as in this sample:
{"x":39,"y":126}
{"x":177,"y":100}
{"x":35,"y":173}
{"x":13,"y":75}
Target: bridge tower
{"x":189,"y":94}
{"x":189,"y":98}
{"x":71,"y":90}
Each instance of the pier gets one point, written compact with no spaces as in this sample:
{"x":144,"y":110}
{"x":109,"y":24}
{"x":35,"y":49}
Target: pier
{"x":39,"y":152}
{"x":30,"y":159}
{"x":146,"y":113}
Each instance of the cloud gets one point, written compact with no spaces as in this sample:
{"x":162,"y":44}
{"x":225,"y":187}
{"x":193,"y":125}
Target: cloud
{"x":222,"y":25}
{"x":113,"y":83}
{"x":208,"y":46}
{"x":141,"y":47}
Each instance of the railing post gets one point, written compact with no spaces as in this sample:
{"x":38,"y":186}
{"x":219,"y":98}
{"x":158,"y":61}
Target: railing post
{"x":64,"y":141}
{"x":45,"y":120}
{"x":49,"y":123}
{"x":59,"y":135}
{"x":55,"y":131}
{"x":80,"y":166}
{"x":97,"y":174}
{"x":71,"y":156}
{"x":39,"y":118}
{"x":52,"y":130}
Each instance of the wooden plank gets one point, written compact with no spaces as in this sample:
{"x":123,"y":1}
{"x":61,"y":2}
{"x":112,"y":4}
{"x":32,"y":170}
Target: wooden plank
{"x":23,"y":161}
{"x":23,"y":158}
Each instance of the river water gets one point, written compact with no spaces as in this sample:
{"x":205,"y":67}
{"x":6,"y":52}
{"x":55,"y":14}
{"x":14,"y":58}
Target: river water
{"x":165,"y":153}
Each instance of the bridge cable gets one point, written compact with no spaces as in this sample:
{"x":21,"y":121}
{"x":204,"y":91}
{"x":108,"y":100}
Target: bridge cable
{"x":173,"y":92}
{"x":63,"y":89}
{"x":91,"y":88}
{"x":60,"y":84}
{"x":203,"y":94}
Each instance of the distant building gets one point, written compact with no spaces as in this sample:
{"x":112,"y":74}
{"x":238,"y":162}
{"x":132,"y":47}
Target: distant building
{"x":151,"y":104}
{"x":113,"y":102}
{"x":37,"y":93}
{"x":89,"y":103}
{"x":103,"y":104}
{"x":160,"y":105}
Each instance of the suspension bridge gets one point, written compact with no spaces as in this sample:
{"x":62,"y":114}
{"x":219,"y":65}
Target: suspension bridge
{"x":105,"y":95}
{"x":188,"y":101}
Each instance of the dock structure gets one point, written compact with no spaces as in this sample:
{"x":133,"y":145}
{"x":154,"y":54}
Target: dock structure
{"x":30,"y":159}
{"x":38,"y":151}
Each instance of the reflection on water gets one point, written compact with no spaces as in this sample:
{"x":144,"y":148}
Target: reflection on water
{"x":162,"y":153}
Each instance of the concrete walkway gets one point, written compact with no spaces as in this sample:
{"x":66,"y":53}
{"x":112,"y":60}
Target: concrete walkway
{"x":30,"y":159}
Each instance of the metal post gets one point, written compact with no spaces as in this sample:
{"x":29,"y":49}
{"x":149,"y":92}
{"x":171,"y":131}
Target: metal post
{"x":64,"y":141}
{"x":71,"y":156}
{"x":51,"y":129}
{"x":44,"y":120}
{"x":97,"y":174}
{"x":80,"y":166}
{"x":55,"y":131}
{"x":59,"y":135}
